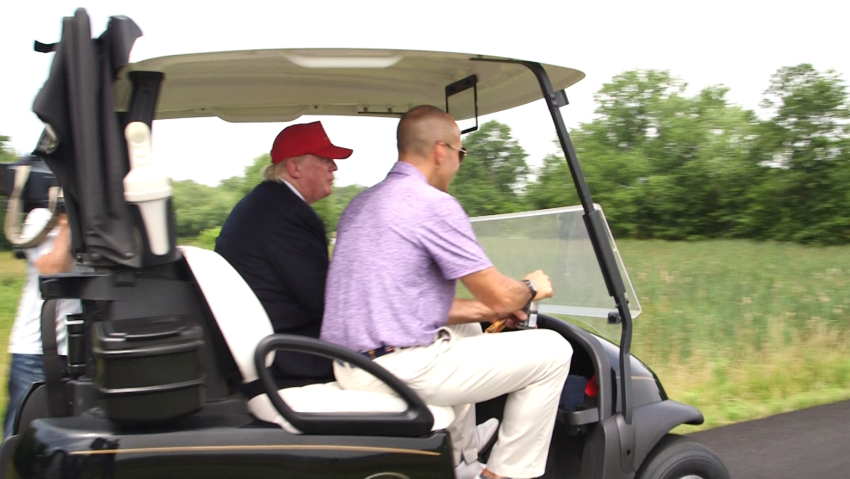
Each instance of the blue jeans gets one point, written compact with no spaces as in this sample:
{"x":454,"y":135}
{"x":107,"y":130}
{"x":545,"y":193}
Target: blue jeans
{"x":25,"y":370}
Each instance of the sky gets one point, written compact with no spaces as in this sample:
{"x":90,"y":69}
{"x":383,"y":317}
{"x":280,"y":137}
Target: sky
{"x":735,"y":43}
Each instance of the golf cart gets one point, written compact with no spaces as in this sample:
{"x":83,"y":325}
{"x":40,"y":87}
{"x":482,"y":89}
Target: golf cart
{"x":170,"y":336}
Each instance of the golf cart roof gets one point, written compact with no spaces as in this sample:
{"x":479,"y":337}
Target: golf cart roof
{"x":282,"y":85}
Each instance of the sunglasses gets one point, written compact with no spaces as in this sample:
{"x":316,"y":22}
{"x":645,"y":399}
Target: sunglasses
{"x":460,"y":151}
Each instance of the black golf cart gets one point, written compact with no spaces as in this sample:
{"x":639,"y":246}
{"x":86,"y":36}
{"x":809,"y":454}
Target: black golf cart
{"x":170,"y":336}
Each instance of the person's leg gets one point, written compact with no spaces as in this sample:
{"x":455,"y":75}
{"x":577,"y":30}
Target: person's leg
{"x":465,"y":445}
{"x":530,"y":366}
{"x":24,"y":370}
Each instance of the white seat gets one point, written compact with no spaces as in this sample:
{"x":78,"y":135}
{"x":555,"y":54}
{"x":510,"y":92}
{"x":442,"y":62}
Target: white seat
{"x":243,"y":323}
{"x":328,"y":397}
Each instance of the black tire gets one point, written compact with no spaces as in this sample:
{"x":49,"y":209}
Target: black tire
{"x":676,"y":457}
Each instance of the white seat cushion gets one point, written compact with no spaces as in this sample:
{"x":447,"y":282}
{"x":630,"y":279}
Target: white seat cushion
{"x":328,"y":397}
{"x":240,"y":316}
{"x":243,"y":322}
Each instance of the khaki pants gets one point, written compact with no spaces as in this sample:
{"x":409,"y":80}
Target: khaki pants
{"x":460,"y":370}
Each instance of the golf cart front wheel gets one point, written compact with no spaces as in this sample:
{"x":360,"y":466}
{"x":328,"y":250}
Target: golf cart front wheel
{"x":676,"y":457}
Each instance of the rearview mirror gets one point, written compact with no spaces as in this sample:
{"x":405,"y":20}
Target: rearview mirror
{"x":462,"y":103}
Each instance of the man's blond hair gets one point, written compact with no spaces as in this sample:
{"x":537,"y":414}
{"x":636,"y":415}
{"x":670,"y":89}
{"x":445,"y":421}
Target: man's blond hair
{"x":274,"y":172}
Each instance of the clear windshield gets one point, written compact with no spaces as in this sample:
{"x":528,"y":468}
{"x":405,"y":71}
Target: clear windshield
{"x":556,"y":241}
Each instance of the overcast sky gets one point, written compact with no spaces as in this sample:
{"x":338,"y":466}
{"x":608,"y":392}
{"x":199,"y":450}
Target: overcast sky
{"x":735,"y":43}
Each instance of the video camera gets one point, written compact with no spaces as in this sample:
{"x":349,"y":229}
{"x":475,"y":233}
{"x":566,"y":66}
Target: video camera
{"x":29,"y":184}
{"x":36,"y":190}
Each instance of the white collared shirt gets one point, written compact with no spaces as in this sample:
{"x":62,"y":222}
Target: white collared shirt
{"x":25,"y":337}
{"x":297,"y":193}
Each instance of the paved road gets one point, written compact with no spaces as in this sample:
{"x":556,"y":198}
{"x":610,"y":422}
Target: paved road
{"x":809,"y":444}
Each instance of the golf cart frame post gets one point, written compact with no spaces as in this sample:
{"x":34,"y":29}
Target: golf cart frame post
{"x":597,"y":233}
{"x":596,"y":230}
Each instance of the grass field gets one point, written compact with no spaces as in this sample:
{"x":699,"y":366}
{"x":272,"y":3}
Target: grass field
{"x":12,"y":274}
{"x":736,"y":328}
{"x":742,"y":329}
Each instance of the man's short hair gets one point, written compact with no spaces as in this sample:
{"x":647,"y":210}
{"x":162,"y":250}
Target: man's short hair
{"x":420,"y":127}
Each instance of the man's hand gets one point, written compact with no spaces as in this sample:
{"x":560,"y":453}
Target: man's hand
{"x":542,"y":284}
{"x":504,"y":295}
{"x":507,"y":321}
{"x":58,"y":260}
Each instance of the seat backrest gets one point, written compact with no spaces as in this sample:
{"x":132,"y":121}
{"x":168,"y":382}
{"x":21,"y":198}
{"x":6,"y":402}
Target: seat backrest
{"x":239,"y":314}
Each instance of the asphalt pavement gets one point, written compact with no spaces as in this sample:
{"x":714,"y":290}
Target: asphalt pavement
{"x":809,"y":444}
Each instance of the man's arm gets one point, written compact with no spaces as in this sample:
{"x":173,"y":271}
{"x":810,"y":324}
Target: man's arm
{"x":300,"y":258}
{"x":58,"y":260}
{"x":502,"y":295}
{"x":470,"y":311}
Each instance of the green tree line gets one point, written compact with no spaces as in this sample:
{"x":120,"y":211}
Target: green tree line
{"x":662,"y":163}
{"x":666,"y":165}
{"x":201,"y":209}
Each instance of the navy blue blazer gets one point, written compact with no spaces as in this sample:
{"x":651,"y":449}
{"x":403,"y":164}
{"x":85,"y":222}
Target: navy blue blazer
{"x":278,"y":244}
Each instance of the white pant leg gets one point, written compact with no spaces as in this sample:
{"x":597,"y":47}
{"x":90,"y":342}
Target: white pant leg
{"x":462,"y":430}
{"x":530,"y":366}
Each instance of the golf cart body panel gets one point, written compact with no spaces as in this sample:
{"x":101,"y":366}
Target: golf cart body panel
{"x":218,"y":447}
{"x":91,"y":95}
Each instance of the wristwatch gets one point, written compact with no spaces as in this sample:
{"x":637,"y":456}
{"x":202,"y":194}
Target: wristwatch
{"x":530,"y":288}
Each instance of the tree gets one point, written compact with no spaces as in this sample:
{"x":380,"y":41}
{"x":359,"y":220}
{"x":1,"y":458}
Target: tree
{"x":553,"y":186}
{"x":663,"y":165}
{"x":807,"y":145}
{"x":630,"y":105}
{"x":6,"y":153}
{"x":199,"y":207}
{"x":253,"y":176}
{"x":330,"y":209}
{"x":493,"y":174}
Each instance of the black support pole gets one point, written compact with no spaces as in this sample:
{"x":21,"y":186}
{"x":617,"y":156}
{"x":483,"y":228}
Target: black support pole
{"x":145,"y":94}
{"x":604,"y":254}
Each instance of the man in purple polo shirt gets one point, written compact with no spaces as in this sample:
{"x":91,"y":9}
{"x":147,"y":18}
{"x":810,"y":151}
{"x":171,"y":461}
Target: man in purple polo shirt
{"x":390,"y":293}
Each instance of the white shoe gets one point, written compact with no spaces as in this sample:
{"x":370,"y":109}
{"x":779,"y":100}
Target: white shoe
{"x":468,"y":471}
{"x":486,"y":432}
{"x":486,"y":435}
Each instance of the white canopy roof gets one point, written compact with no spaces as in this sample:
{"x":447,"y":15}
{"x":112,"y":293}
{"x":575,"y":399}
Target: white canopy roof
{"x":281,"y":85}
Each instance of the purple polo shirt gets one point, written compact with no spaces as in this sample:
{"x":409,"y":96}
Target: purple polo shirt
{"x":400,"y":247}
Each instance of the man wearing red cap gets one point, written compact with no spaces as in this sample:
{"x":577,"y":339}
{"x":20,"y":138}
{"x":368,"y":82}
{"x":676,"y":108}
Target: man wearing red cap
{"x":275,"y":240}
{"x":279,"y":246}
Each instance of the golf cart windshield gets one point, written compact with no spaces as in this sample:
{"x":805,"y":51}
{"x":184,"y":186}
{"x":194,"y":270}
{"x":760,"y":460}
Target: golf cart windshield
{"x":556,"y":241}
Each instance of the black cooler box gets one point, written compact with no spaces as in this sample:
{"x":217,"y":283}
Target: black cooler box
{"x":148,"y":369}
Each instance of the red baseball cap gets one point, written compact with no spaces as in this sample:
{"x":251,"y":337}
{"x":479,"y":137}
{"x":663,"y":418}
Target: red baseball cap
{"x":303,"y":139}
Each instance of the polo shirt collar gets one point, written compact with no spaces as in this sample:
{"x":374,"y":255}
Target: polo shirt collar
{"x":406,"y":169}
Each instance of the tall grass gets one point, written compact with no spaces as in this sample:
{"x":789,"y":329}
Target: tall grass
{"x":12,"y":274}
{"x":742,"y":329}
{"x":738,"y":329}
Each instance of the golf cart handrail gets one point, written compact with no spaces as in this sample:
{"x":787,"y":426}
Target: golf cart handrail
{"x":416,"y":420}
